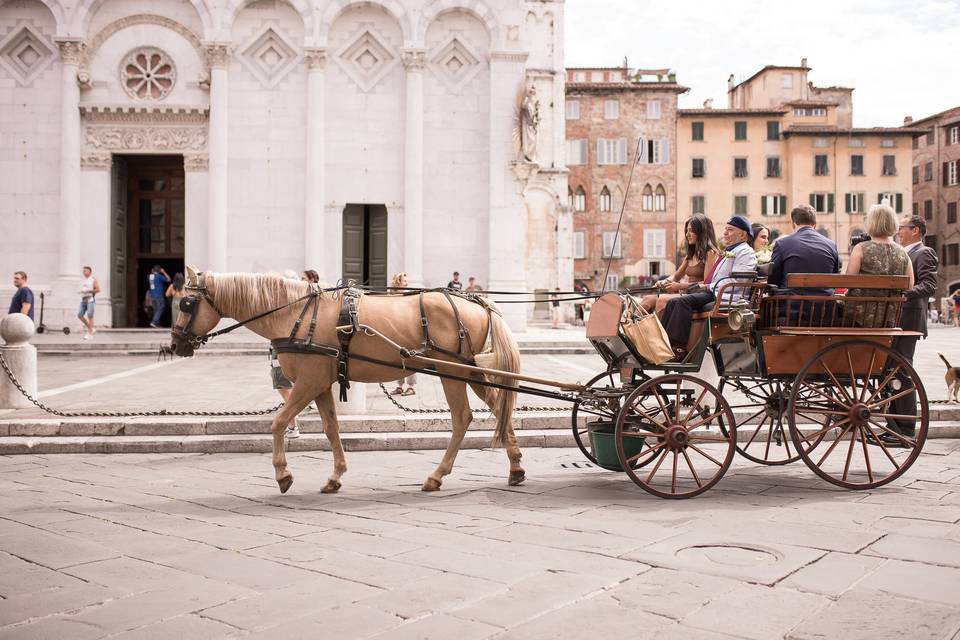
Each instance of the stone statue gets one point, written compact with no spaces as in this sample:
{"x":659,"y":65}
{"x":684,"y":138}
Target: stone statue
{"x":528,"y":121}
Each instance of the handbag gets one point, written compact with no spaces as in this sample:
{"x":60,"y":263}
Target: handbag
{"x":645,"y":333}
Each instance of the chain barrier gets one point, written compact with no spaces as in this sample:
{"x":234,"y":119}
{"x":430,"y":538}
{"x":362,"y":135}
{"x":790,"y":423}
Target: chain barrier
{"x":406,"y":409}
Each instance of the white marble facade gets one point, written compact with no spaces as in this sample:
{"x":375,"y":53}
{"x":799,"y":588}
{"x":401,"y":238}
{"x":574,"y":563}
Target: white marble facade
{"x":284,"y":112}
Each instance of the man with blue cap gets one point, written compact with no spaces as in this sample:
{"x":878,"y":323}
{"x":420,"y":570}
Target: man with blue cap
{"x":738,"y":257}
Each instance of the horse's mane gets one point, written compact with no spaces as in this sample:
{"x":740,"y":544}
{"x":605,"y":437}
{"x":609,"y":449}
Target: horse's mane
{"x":244,"y":294}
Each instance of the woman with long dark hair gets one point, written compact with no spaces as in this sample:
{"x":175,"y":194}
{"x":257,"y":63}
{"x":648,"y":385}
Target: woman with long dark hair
{"x":702,"y":254}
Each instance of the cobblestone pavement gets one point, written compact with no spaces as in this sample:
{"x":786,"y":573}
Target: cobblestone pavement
{"x":204,"y":546}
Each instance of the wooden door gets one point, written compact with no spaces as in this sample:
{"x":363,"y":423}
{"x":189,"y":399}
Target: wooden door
{"x":377,"y":246}
{"x":119,"y":262}
{"x":354,"y":245}
{"x":365,"y":244}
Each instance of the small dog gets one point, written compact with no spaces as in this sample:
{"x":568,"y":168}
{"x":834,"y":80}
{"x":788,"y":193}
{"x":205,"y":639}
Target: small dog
{"x":953,"y":379}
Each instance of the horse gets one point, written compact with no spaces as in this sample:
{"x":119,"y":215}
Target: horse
{"x":275,"y":307}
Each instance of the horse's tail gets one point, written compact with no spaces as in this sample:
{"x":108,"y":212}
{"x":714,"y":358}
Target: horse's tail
{"x":504,"y":355}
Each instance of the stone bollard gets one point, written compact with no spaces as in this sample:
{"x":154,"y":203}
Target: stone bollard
{"x":16,"y":330}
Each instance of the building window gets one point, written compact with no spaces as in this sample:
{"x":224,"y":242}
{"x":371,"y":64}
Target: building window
{"x":696,"y":131}
{"x":606,"y":202}
{"x":653,"y":268}
{"x":773,"y":167}
{"x":855,"y":142}
{"x":613,"y":151}
{"x":697,"y":204}
{"x":616,"y":76}
{"x":739,"y":167}
{"x":916,"y":174}
{"x":774,"y":205}
{"x":740,"y":205}
{"x":820,"y":143}
{"x":660,"y":199}
{"x":596,"y":76}
{"x":699,"y":168}
{"x":822,"y":202}
{"x":895,"y":200}
{"x":740,"y":130}
{"x":611,"y":109}
{"x":612,"y":282}
{"x":950,"y":170}
{"x":953,"y":254}
{"x":654,"y":243}
{"x":570,"y":197}
{"x":856,"y":165}
{"x":916,"y":208}
{"x":579,"y":249}
{"x":854,"y":202}
{"x":573,"y":109}
{"x":647,"y":199}
{"x":930,"y":138}
{"x":928,"y":172}
{"x":954,"y":135}
{"x":658,"y":151}
{"x":653,"y":109}
{"x":812,"y":111}
{"x":818,"y":111}
{"x":611,"y":244}
{"x":930,"y":241}
{"x":890,"y":166}
{"x":773,"y":130}
{"x":916,"y":143}
{"x":888,"y":142}
{"x":928,"y":209}
{"x":787,"y":81}
{"x":576,"y":152}
{"x":820,"y":167}
{"x":951,"y":213}
{"x":579,"y":76}
{"x":580,"y":200}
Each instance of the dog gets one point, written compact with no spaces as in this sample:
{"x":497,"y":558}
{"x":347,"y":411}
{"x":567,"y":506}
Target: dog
{"x":953,"y":379}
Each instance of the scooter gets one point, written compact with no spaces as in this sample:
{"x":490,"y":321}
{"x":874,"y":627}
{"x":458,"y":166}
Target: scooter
{"x":42,"y":327}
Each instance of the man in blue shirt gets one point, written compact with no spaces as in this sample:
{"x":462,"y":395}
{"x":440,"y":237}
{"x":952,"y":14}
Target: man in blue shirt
{"x":23,"y":299}
{"x":157,"y":281}
{"x":803,"y":251}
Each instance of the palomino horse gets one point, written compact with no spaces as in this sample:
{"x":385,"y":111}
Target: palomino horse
{"x":241,"y":296}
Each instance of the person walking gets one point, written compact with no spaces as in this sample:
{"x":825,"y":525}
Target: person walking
{"x":22,"y":301}
{"x":283,"y":386}
{"x":310,"y":276}
{"x":405,"y":386}
{"x":956,"y":307}
{"x":555,"y":309}
{"x":455,"y":283}
{"x":472,"y":286}
{"x":89,"y":288}
{"x":157,"y":286}
{"x":175,"y":292}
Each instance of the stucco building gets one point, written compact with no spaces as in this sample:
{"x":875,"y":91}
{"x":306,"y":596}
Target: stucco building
{"x":782,"y":141}
{"x":622,"y":122}
{"x":355,"y":138}
{"x":936,"y":190}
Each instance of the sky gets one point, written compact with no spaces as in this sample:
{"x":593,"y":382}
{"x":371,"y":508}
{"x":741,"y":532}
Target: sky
{"x":901,"y":56}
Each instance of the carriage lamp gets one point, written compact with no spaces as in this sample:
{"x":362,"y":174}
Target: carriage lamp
{"x":741,"y":316}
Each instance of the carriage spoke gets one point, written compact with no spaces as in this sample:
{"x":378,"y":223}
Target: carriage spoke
{"x":673,"y":480}
{"x":705,"y":455}
{"x":640,"y":434}
{"x":677,"y":406}
{"x":766,"y":451}
{"x":873,"y":357}
{"x":663,"y":407}
{"x":785,"y":438}
{"x":694,"y":407}
{"x":834,"y":444}
{"x":830,"y":427}
{"x":883,"y":384}
{"x":692,"y":470}
{"x":853,"y":442}
{"x":752,"y":437}
{"x":704,"y":420}
{"x":886,"y":451}
{"x":836,"y":383}
{"x":649,"y":417}
{"x":656,"y":467}
{"x":893,"y":397}
{"x":700,"y":438}
{"x":834,"y":400}
{"x":853,"y":375}
{"x":649,"y":449}
{"x":866,"y":455}
{"x":902,"y":438}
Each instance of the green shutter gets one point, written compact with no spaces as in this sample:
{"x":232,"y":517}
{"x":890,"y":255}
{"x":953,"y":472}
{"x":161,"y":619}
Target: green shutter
{"x":861,"y":202}
{"x":879,"y":198}
{"x":829,"y":203}
{"x":813,"y":200}
{"x":849,"y":205}
{"x":783,"y":205}
{"x":899,"y":203}
{"x":763,"y":205}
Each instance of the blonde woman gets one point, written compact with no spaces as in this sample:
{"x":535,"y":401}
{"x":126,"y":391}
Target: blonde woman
{"x":407,"y":386}
{"x":881,"y":256}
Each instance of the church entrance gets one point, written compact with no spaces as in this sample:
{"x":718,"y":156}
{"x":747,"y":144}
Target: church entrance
{"x":148,"y":230}
{"x":365,"y":244}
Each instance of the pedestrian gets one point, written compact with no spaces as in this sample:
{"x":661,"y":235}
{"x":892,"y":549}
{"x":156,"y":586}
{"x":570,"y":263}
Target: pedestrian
{"x":405,"y":386}
{"x":555,"y":309}
{"x":455,"y":283}
{"x":310,"y":276}
{"x":23,"y":299}
{"x":89,"y":288}
{"x":283,"y":386}
{"x":472,"y":285}
{"x":934,"y":316}
{"x":175,"y":292}
{"x":157,"y":286}
{"x":956,"y":307}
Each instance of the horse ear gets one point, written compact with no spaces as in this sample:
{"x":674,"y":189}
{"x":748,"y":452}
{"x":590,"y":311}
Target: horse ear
{"x":191,"y":274}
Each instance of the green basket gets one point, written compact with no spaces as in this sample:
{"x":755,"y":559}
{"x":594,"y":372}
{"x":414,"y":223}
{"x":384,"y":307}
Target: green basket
{"x":604,"y":446}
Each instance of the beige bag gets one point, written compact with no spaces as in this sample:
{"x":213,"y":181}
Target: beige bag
{"x":645,"y":333}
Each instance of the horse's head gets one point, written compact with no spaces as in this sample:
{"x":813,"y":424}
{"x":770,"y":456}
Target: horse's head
{"x":198,"y":315}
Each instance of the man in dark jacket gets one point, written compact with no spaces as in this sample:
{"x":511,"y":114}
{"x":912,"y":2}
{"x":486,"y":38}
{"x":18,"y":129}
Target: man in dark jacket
{"x":914,"y":315}
{"x":803,"y":251}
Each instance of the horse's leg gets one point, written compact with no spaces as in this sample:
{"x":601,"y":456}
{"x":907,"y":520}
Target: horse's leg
{"x":331,"y":428}
{"x":298,"y":399}
{"x":456,"y":394}
{"x":517,"y":474}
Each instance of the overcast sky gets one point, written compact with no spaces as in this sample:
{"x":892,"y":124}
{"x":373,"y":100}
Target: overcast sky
{"x":902,"y":57}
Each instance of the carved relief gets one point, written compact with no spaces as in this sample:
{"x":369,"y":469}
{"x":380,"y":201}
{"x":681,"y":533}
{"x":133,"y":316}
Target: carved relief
{"x":218,"y":55}
{"x":25,"y":52}
{"x":96,"y":160}
{"x":366,"y":59}
{"x":454,"y":62}
{"x":414,"y":59}
{"x":196,"y":162}
{"x":147,"y":73}
{"x":71,"y":51}
{"x":315,"y":58}
{"x":145,"y":138}
{"x":269,"y":55}
{"x":142,"y":18}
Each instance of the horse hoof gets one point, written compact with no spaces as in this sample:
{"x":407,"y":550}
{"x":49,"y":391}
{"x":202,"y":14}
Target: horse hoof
{"x":332,"y":486}
{"x":285,"y":483}
{"x":431,"y":485}
{"x":516,"y":478}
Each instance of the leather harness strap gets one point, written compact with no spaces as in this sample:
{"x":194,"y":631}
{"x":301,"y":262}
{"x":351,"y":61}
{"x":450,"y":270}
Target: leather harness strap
{"x":348,"y":322}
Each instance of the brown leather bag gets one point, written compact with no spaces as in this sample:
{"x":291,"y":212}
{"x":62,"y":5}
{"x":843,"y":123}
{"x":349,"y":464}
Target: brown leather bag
{"x":645,"y":333}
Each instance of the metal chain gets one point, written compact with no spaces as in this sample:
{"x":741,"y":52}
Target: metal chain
{"x":125,"y":414}
{"x":406,"y":409}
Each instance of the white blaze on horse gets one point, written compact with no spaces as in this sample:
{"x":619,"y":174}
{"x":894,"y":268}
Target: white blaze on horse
{"x":310,"y":327}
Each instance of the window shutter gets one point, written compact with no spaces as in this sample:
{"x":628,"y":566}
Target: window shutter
{"x":783,"y":205}
{"x":879,"y":198}
{"x":849,"y":204}
{"x":622,"y":150}
{"x":813,"y":200}
{"x":946,"y":171}
{"x":763,"y":205}
{"x":899,"y":203}
{"x":861,"y":202}
{"x":664,"y":151}
{"x":601,"y":156}
{"x":829,"y":203}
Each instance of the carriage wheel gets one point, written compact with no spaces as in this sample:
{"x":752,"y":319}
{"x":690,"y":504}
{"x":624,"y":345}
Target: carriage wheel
{"x":580,"y":434}
{"x":850,"y":411}
{"x":687,"y":457}
{"x":764,"y":435}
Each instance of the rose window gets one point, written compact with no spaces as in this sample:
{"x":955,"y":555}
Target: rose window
{"x":148,"y":74}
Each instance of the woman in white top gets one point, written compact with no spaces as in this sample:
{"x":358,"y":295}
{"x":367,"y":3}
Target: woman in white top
{"x":89,"y":288}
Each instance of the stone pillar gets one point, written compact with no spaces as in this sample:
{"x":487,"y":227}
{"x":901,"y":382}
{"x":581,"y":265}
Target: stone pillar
{"x":196,"y":199}
{"x":71,"y":54}
{"x":95,"y":234}
{"x":218,"y":57}
{"x":314,"y":214}
{"x":413,"y":61}
{"x":16,"y":330}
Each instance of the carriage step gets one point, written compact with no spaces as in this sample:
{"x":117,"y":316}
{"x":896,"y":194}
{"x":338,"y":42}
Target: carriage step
{"x":261,"y":443}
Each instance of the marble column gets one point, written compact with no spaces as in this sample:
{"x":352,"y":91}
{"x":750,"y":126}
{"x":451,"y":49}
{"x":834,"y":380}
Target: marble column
{"x":71,"y":54}
{"x":218,"y":57}
{"x":96,"y":232}
{"x":414,"y":61}
{"x":314,"y":214}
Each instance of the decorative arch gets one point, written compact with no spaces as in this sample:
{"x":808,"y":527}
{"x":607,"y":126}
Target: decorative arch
{"x":606,"y":200}
{"x":302,"y":7}
{"x":94,"y":44}
{"x":337,"y":7}
{"x":646,"y":200}
{"x":580,"y":199}
{"x":82,"y":15}
{"x":476,"y":8}
{"x":660,"y":199}
{"x":59,"y":15}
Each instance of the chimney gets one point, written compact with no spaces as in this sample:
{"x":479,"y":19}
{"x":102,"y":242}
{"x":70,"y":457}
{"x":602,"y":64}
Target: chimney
{"x":803,"y":62}
{"x":730,"y":83}
{"x":908,"y":120}
{"x":708,"y":103}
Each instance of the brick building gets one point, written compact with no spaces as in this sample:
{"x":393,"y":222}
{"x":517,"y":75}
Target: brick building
{"x":936,"y":190}
{"x":621,"y":121}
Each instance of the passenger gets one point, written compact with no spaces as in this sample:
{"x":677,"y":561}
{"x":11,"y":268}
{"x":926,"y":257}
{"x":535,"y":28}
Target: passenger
{"x":702,"y":254}
{"x":880,"y":256}
{"x":803,"y":251}
{"x":738,"y":258}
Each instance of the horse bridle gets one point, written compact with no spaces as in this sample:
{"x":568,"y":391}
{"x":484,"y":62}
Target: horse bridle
{"x":188,"y":307}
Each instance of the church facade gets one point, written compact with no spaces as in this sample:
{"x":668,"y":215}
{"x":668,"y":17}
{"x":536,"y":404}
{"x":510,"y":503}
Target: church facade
{"x":359,"y":139}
